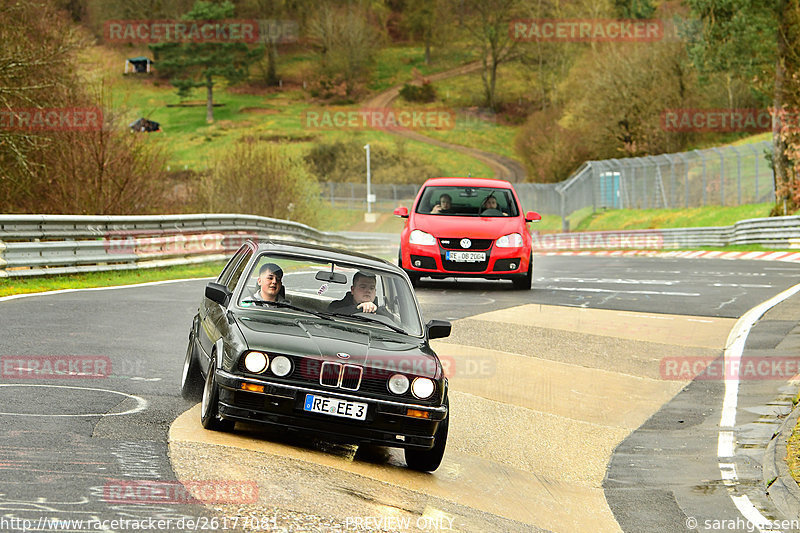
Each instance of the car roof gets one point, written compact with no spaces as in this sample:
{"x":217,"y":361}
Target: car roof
{"x":326,"y":253}
{"x":471,"y":182}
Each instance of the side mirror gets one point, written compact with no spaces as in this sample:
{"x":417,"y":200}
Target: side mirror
{"x":438,"y":329}
{"x":532,"y":216}
{"x":216,"y":292}
{"x":401,"y":212}
{"x":330,"y":277}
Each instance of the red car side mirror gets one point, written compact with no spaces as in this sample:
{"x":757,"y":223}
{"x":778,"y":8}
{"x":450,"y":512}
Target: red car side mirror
{"x":532,"y":216}
{"x":401,"y":212}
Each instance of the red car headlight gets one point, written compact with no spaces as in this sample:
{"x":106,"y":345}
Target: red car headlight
{"x":421,"y":238}
{"x":512,"y":240}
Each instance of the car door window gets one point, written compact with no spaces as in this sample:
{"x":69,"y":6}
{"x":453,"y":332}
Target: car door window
{"x":236,"y":274}
{"x":225,"y":275}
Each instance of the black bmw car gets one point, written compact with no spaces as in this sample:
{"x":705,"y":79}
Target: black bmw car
{"x":320,"y":340}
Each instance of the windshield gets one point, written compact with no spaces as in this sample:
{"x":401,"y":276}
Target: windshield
{"x":331,"y":291}
{"x":468,"y":201}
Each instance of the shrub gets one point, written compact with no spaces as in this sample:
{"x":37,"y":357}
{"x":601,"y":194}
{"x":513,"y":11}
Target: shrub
{"x":341,"y":161}
{"x":419,"y":93}
{"x":261,"y":179}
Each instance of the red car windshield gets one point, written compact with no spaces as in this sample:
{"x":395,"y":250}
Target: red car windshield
{"x":467,"y":201}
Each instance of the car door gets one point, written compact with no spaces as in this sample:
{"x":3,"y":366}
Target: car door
{"x":211,"y":312}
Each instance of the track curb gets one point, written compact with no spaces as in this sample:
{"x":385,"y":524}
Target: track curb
{"x":780,"y":486}
{"x":792,"y":257}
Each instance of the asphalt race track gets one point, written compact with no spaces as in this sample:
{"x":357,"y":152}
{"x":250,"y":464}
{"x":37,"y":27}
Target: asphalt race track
{"x":563,"y":417}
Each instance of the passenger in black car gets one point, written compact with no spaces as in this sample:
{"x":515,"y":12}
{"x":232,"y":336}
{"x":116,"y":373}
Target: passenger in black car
{"x":360,"y":298}
{"x":270,"y":284}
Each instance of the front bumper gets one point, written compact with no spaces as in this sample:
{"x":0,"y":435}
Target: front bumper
{"x":387,"y":423}
{"x":500,"y":263}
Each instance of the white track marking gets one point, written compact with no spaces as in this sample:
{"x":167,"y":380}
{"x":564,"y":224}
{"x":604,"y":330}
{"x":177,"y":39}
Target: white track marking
{"x":113,"y":287}
{"x":726,"y":443}
{"x":141,"y":403}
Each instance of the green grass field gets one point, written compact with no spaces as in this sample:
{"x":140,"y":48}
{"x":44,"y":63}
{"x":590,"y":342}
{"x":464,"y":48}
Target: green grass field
{"x":9,"y":286}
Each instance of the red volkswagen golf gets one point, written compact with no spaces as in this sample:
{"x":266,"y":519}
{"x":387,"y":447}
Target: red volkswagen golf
{"x":467,"y":227}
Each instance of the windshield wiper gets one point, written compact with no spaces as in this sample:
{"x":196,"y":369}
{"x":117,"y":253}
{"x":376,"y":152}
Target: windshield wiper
{"x":286,"y":305}
{"x":366,"y":318}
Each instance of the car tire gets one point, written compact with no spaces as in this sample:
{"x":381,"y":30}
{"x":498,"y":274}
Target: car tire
{"x":209,"y":405}
{"x":191,"y":379}
{"x":525,"y":282}
{"x":429,"y":460}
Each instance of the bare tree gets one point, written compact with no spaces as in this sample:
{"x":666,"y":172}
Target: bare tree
{"x":487,"y":25}
{"x":346,"y":43}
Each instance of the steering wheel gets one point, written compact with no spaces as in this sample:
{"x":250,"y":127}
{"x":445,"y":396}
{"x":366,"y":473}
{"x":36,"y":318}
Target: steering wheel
{"x":491,"y":213}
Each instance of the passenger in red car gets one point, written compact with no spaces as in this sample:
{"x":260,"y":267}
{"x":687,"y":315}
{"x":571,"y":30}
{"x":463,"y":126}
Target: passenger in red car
{"x":445,"y":204}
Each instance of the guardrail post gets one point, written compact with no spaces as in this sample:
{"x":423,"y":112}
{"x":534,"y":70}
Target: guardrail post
{"x":3,"y":262}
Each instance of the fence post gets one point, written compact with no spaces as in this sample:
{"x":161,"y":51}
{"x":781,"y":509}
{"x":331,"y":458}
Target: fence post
{"x":721,"y":176}
{"x":738,"y":175}
{"x":703,"y":157}
{"x":673,"y":186}
{"x":754,"y":148}
{"x":685,"y":158}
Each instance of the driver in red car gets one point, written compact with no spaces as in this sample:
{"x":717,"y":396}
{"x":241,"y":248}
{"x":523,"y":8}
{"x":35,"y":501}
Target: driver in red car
{"x":491,"y":203}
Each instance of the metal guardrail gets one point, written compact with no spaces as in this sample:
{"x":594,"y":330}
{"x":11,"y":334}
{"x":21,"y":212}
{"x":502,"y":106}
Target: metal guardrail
{"x":34,"y":245}
{"x":773,"y":232}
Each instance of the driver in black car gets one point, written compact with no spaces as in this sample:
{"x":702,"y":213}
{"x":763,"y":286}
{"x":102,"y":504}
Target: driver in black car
{"x":360,"y":298}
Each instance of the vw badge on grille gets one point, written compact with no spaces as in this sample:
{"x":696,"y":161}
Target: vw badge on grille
{"x":466,"y":243}
{"x":342,"y":355}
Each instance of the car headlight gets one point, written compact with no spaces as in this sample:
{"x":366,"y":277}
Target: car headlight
{"x":398,"y":384}
{"x":256,"y":362}
{"x":421,"y":238}
{"x":512,"y":240}
{"x":423,"y":388}
{"x":280,"y":366}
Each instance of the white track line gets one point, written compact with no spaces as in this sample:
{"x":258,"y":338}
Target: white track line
{"x":726,"y":442}
{"x":108,"y":288}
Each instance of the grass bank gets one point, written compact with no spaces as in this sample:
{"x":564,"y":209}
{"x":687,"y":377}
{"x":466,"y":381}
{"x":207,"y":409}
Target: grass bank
{"x":10,"y":286}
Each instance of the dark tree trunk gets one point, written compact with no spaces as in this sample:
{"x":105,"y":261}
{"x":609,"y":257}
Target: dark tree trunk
{"x":209,"y":100}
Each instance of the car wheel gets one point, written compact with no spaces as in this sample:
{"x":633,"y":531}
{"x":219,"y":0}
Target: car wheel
{"x":429,"y":460}
{"x":191,"y":379}
{"x":209,"y":406}
{"x":525,"y":282}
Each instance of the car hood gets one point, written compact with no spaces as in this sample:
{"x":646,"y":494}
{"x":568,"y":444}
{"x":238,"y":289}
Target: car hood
{"x":324,"y":340}
{"x":460,"y":226}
